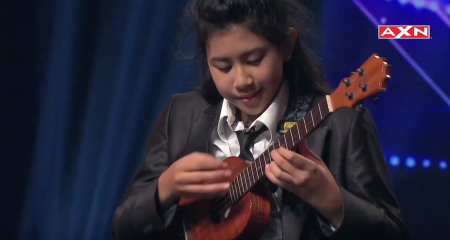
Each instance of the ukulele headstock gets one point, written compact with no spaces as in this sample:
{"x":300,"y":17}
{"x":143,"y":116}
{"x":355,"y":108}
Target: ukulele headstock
{"x":367,"y":81}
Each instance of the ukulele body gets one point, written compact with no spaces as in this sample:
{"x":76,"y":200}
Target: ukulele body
{"x":246,"y":219}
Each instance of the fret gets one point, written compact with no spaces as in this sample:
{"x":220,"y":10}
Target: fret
{"x":312,"y":118}
{"x":236,"y":189}
{"x":284,"y":136}
{"x":320,"y":111}
{"x":292,"y":137}
{"x":231,"y":192}
{"x":249,"y":179}
{"x":245,"y":178}
{"x":256,"y":169}
{"x":249,"y":169}
{"x":304,"y":123}
{"x":264,"y":157}
{"x":269,"y":155}
{"x":241,"y":186}
{"x":260,"y":166}
{"x":233,"y":184}
{"x":298,"y":131}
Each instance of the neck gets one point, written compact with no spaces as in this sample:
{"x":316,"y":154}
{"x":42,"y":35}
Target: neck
{"x":247,"y":118}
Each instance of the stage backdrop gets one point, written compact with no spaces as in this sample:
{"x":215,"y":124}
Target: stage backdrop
{"x":84,"y":81}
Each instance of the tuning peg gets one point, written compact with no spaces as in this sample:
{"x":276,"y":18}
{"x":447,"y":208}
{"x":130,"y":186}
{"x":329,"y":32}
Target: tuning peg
{"x":375,"y":100}
{"x":349,"y":95}
{"x":364,"y":87}
{"x":360,"y":71}
{"x":347,"y":82}
{"x":359,"y":107}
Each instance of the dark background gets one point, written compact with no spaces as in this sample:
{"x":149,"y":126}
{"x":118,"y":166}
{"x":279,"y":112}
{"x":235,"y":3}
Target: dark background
{"x":82,"y":82}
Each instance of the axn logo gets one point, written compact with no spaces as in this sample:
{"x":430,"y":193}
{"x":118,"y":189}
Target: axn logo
{"x":404,"y":32}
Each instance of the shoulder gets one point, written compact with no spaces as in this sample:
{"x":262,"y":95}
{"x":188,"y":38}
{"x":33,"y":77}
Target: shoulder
{"x":187,"y":102}
{"x":346,"y":119}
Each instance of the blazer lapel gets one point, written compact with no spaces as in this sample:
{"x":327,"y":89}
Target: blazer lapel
{"x":295,"y":211}
{"x":203,"y":124}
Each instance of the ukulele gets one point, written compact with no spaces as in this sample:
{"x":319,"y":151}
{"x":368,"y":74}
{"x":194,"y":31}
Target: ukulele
{"x":243,"y":213}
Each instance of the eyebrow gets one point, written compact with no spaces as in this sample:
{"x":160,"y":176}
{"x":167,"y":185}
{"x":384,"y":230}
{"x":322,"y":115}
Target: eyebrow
{"x":247,"y":53}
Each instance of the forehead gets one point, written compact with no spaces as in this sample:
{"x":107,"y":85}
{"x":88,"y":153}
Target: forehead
{"x":234,"y":42}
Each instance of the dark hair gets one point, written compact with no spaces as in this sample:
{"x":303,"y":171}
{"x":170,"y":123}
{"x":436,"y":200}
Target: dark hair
{"x":271,"y":19}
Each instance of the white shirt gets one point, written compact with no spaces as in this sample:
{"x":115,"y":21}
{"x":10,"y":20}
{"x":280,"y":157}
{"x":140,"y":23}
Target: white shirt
{"x":226,"y":144}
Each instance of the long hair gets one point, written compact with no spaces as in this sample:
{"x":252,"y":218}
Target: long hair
{"x":271,"y":19}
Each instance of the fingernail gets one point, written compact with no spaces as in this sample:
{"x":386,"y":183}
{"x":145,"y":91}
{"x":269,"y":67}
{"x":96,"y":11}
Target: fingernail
{"x":267,"y":165}
{"x":226,"y":185}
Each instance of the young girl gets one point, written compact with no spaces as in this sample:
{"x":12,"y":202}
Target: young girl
{"x":258,"y":72}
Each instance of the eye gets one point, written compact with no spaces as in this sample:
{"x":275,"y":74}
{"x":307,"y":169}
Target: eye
{"x":255,"y":62}
{"x":224,"y":69}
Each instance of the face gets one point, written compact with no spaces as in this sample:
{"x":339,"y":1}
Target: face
{"x":246,"y":68}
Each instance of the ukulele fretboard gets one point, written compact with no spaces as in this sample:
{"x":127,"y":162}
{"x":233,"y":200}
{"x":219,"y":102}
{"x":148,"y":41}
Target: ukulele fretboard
{"x":256,"y":171}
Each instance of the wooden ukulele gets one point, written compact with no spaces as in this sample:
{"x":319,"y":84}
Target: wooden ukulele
{"x":243,"y":213}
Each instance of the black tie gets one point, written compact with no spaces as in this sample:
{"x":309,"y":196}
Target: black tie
{"x":246,"y":139}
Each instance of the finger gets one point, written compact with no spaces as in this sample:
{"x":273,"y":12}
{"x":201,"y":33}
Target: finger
{"x":280,"y":174}
{"x":203,"y":176}
{"x":205,"y":189}
{"x":307,"y":153}
{"x":282,"y":163}
{"x":272,"y":178}
{"x":296,"y":159}
{"x":203,"y":162}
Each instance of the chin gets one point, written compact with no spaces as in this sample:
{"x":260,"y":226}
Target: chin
{"x":252,"y":111}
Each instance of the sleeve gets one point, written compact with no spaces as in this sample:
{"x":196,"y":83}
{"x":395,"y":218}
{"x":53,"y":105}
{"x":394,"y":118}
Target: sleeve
{"x":371,"y":210}
{"x":137,"y":216}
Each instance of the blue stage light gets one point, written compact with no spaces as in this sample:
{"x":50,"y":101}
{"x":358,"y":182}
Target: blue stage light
{"x":434,"y":6}
{"x":443,"y":165}
{"x":447,"y":9}
{"x":395,"y":161}
{"x":419,"y":4}
{"x":410,"y":162}
{"x":426,"y":163}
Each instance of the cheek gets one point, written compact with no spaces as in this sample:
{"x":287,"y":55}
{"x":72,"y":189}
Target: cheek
{"x":271,"y":74}
{"x":223,"y":84}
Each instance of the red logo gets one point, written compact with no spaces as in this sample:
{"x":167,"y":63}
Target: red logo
{"x":404,"y":32}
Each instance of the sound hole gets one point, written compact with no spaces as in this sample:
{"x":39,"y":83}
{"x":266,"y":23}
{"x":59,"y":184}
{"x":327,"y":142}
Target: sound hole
{"x":219,"y":209}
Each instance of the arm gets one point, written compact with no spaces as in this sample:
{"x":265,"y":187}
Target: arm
{"x":370,"y":208}
{"x":138,"y":213}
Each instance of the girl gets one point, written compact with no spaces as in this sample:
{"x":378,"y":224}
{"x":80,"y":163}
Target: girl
{"x":258,"y":72}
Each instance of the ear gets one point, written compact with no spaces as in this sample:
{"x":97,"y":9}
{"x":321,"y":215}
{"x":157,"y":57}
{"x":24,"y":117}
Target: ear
{"x":289,"y":47}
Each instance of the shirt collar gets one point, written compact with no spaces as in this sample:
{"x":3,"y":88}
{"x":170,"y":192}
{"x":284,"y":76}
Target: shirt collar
{"x":270,"y":117}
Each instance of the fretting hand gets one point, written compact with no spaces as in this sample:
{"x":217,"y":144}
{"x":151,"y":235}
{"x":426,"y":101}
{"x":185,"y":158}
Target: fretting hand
{"x":308,"y":177}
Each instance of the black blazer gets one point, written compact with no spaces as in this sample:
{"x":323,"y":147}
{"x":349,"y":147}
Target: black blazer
{"x":347,"y":141}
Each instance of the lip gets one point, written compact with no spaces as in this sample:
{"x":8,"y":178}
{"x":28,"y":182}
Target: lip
{"x":250,"y":97}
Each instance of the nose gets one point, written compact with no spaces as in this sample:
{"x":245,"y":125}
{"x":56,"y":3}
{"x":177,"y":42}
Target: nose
{"x":243,"y":81}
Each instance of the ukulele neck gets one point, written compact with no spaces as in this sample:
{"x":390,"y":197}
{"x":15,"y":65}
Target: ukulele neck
{"x":256,"y":171}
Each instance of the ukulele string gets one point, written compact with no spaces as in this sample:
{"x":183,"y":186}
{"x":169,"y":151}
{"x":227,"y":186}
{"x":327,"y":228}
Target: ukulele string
{"x":226,"y":199}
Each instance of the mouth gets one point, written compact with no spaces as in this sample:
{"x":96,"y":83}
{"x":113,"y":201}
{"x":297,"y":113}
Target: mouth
{"x":250,"y":97}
